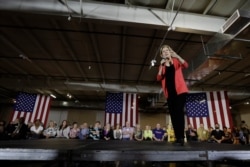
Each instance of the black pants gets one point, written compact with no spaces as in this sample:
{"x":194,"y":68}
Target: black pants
{"x":176,"y":109}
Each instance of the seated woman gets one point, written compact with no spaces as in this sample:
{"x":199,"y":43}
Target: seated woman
{"x":107,"y":132}
{"x":117,"y":132}
{"x":36,"y":131}
{"x":63,"y":131}
{"x":50,"y":131}
{"x":127,"y":132}
{"x":74,"y":131}
{"x":228,"y":138}
{"x":138,"y":134}
{"x":147,"y":133}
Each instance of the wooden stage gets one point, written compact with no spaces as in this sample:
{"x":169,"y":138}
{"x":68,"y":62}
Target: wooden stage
{"x":68,"y":151}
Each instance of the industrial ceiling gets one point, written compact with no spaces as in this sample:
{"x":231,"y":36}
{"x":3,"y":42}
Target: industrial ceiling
{"x":78,"y":50}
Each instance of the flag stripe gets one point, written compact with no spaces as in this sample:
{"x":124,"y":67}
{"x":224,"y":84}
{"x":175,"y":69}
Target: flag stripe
{"x":47,"y":109}
{"x":40,"y":108}
{"x":129,"y":110}
{"x":218,"y":111}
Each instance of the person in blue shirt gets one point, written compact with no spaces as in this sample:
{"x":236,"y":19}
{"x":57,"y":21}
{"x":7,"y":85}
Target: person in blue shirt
{"x":158,"y":133}
{"x":84,"y":131}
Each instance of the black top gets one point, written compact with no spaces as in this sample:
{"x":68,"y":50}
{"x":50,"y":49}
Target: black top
{"x":170,"y":81}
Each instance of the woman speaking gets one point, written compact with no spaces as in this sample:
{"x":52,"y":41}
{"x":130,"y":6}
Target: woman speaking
{"x":174,"y":88}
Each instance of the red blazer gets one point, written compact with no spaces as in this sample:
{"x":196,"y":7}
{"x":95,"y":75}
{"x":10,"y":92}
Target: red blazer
{"x":180,"y":84}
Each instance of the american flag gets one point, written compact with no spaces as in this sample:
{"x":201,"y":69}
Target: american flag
{"x":208,"y":108}
{"x":120,"y":108}
{"x":31,"y":107}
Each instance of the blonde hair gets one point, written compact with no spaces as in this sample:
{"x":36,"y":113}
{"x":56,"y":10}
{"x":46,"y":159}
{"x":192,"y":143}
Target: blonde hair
{"x":166,"y":46}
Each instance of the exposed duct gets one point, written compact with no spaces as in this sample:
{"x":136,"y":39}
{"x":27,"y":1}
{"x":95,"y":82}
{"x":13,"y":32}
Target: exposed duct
{"x":149,"y":3}
{"x":237,"y":22}
{"x":211,"y":57}
{"x":185,"y":22}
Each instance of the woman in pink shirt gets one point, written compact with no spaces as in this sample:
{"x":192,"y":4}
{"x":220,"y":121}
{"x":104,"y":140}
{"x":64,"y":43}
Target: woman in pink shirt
{"x":174,"y":88}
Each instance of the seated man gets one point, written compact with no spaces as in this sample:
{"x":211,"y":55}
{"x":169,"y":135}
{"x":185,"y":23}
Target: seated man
{"x":95,"y":132}
{"x":158,"y":133}
{"x":191,"y":133}
{"x":17,"y":129}
{"x":84,"y":131}
{"x":202,"y":133}
{"x":127,"y":132}
{"x":217,"y":135}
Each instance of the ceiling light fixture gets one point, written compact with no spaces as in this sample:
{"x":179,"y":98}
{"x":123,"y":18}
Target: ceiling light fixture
{"x":69,"y":17}
{"x":25,"y":58}
{"x":153,"y":63}
{"x":53,"y":96}
{"x":247,"y":74}
{"x":69,"y":95}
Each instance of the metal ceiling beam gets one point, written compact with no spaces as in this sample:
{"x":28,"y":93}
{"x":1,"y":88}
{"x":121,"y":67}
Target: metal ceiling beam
{"x":147,"y":57}
{"x":184,"y":22}
{"x":72,"y":53}
{"x":20,"y":53}
{"x":209,"y":6}
{"x":34,"y":40}
{"x":11,"y":83}
{"x":123,"y":46}
{"x":97,"y":52}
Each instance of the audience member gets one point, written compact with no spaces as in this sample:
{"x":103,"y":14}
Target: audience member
{"x":36,"y":131}
{"x":191,"y":133}
{"x":117,"y":132}
{"x":227,"y":136}
{"x":246,"y":131}
{"x":84,"y":131}
{"x":138,"y":134}
{"x":242,"y":137}
{"x":235,"y":135}
{"x":96,"y":132}
{"x":158,"y":133}
{"x":202,"y":133}
{"x":127,"y":132}
{"x":171,"y":134}
{"x":217,"y":135}
{"x":17,"y":129}
{"x":74,"y":131}
{"x":147,"y":133}
{"x":50,"y":131}
{"x":107,"y":132}
{"x":63,"y":130}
